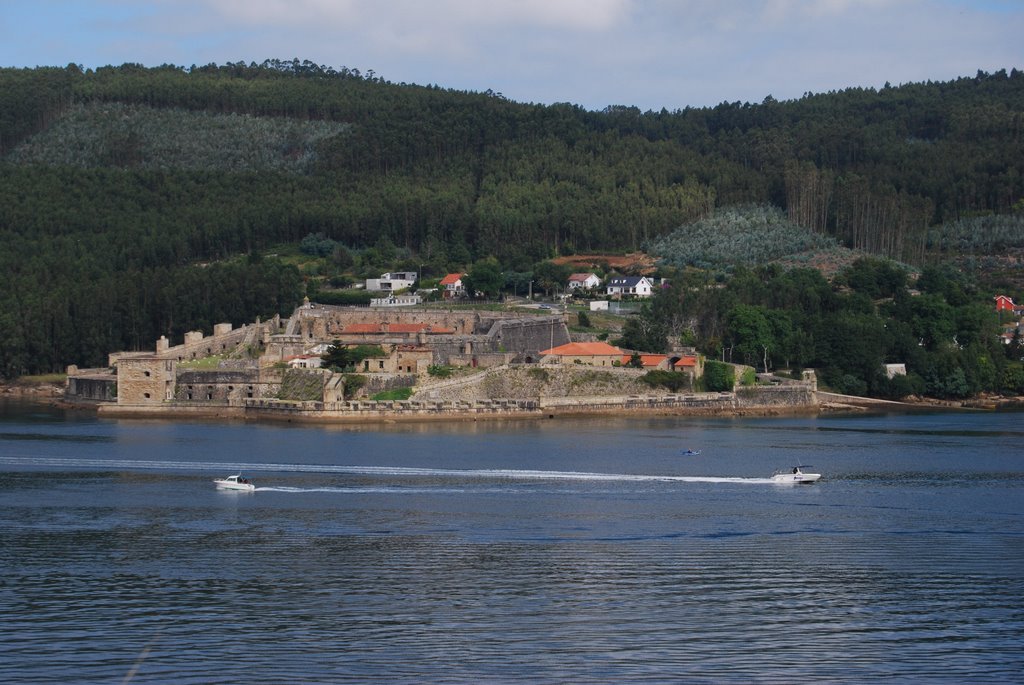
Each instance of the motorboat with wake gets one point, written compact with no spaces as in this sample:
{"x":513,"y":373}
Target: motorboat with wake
{"x":690,"y":453}
{"x":235,"y":482}
{"x":795,"y":475}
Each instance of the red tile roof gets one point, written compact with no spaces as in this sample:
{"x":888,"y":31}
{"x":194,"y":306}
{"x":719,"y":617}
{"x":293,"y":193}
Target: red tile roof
{"x":645,"y":359}
{"x":362,"y":328}
{"x":578,"y":349}
{"x":451,"y":279}
{"x":688,"y":360}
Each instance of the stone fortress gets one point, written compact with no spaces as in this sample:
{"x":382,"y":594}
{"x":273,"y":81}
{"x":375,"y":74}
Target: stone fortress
{"x":269,"y":369}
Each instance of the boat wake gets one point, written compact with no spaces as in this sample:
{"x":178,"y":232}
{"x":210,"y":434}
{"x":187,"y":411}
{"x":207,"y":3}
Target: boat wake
{"x":70,"y":464}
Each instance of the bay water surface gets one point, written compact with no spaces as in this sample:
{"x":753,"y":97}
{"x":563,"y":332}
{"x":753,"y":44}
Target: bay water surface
{"x":532,"y":551}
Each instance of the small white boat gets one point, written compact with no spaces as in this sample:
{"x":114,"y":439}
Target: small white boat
{"x":235,"y":482}
{"x":796,"y":475}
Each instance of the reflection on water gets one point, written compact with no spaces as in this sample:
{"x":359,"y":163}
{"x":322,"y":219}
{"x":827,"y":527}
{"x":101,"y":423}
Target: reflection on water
{"x":527,"y":552}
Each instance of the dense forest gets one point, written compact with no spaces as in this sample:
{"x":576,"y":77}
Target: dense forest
{"x":137,"y":202}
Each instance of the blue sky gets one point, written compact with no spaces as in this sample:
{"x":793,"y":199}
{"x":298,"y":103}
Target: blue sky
{"x":648,"y":53}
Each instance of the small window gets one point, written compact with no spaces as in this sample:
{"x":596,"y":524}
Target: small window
{"x":230,"y":388}
{"x":146,"y":374}
{"x":188,"y":396}
{"x":146,"y":395}
{"x":209,"y":395}
{"x":380,"y":365}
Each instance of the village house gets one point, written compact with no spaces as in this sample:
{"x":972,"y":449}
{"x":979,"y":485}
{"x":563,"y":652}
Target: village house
{"x":688,"y":363}
{"x":659,"y":362}
{"x":393,"y":300}
{"x":586,"y":353}
{"x":305,"y":361}
{"x":692,"y":364}
{"x":583,"y":281}
{"x":453,"y":287}
{"x":392,"y":281}
{"x":401,"y":359}
{"x":625,"y":286}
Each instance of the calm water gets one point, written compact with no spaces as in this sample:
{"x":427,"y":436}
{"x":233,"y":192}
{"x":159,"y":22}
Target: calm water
{"x":558,"y":551}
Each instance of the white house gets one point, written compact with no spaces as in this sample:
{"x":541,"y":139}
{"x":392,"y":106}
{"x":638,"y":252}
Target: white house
{"x":453,"y":287}
{"x":583,"y":281}
{"x":393,"y":300}
{"x":636,"y":286}
{"x":306,"y":361}
{"x":392,"y":281}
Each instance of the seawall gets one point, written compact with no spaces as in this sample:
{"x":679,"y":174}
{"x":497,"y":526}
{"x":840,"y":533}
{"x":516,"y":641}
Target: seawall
{"x":752,"y":402}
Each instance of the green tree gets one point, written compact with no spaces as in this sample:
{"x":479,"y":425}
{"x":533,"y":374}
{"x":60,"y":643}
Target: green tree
{"x":486,"y":277}
{"x":337,"y":357}
{"x":718,"y":376}
{"x":643,"y":332}
{"x":749,"y":334}
{"x":550,"y":277}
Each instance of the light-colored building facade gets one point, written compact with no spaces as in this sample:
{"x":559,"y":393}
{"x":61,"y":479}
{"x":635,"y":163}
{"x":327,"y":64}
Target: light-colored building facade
{"x":630,"y":286}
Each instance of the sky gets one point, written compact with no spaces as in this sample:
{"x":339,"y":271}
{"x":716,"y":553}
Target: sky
{"x":651,"y":54}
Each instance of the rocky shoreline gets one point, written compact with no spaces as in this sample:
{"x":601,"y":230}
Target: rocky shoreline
{"x":43,"y":392}
{"x":52,"y":394}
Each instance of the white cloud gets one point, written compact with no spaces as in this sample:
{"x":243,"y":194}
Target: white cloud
{"x":439,"y":15}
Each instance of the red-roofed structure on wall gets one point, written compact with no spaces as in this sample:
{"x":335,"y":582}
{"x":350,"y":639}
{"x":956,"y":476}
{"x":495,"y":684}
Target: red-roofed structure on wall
{"x":648,"y":361}
{"x":587,"y":353}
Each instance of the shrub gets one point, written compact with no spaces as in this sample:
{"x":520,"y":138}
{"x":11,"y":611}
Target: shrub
{"x":353,"y":383}
{"x":541,"y":375}
{"x":344,"y":297}
{"x":439,"y":371}
{"x":393,"y":395}
{"x":718,"y":377}
{"x":672,"y":380}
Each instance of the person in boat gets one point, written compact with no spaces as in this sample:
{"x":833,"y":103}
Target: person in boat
{"x":796,"y":469}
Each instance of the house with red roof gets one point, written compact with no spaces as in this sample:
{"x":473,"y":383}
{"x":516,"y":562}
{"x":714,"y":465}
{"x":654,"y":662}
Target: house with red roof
{"x":1004,"y":303}
{"x":648,"y":361}
{"x":586,"y":353}
{"x":453,"y":287}
{"x":687,"y":363}
{"x":583,"y":281}
{"x":692,"y":364}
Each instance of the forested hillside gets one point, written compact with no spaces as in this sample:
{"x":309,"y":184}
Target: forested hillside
{"x":136,"y":202}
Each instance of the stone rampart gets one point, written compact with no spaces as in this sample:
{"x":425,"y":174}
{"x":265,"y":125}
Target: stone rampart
{"x":797,"y":394}
{"x":224,"y":386}
{"x":92,"y":385}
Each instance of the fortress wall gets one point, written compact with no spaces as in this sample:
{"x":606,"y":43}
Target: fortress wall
{"x":799,"y":394}
{"x":322,"y":321}
{"x":197,"y":346}
{"x":91,"y":388}
{"x":223,"y":386}
{"x":530,"y":336}
{"x":482,"y":360}
{"x":144,"y":380}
